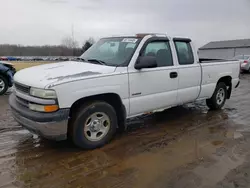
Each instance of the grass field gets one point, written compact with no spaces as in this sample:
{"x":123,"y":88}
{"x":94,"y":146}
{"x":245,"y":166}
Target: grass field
{"x":26,"y":64}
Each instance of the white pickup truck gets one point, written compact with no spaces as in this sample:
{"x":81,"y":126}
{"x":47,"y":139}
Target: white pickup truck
{"x":89,"y":98}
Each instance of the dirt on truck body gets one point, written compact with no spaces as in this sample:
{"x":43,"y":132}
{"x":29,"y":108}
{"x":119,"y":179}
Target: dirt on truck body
{"x":186,"y":146}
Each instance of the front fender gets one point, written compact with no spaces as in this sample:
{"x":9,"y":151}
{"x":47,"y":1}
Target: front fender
{"x":68,"y":93}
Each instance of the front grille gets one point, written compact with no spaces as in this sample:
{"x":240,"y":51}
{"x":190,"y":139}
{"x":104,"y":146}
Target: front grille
{"x":22,"y":102}
{"x":22,"y":88}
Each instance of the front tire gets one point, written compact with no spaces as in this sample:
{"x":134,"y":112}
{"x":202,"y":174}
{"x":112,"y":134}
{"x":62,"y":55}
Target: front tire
{"x":3,"y":85}
{"x":219,"y":97}
{"x":94,"y":125}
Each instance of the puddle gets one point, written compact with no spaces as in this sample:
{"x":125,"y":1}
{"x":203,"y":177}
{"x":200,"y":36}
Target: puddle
{"x":213,"y":174}
{"x":216,"y":129}
{"x":217,"y":142}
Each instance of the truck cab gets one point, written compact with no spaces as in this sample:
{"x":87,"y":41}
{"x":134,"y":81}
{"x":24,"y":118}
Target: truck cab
{"x":89,"y":99}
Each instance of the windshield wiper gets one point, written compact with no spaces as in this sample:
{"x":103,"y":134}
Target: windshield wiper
{"x":98,"y":61}
{"x":89,"y":60}
{"x":79,"y":59}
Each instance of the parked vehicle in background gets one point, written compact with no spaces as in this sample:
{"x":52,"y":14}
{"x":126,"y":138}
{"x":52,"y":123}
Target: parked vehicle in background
{"x":7,"y":72}
{"x":47,"y":59}
{"x":11,"y":58}
{"x":88,"y":99}
{"x":244,"y":62}
{"x":37,"y":59}
{"x":3,"y":59}
{"x":65,"y":59}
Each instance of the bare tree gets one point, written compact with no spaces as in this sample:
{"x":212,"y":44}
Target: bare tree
{"x":68,"y":47}
{"x":69,"y":42}
{"x":18,"y":50}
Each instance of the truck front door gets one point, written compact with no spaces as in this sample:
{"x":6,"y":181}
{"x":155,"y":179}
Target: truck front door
{"x":154,"y":88}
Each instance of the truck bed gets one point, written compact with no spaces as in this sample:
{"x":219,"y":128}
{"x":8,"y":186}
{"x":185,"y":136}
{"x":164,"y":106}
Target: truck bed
{"x":213,"y":70}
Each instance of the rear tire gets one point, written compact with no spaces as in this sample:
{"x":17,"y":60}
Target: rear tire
{"x":94,"y":125}
{"x":3,"y":85}
{"x":219,"y":97}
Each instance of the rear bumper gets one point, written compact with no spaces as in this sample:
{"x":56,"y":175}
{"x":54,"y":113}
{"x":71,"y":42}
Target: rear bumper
{"x":52,"y":126}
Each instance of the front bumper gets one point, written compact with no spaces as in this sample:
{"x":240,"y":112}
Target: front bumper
{"x":52,"y":126}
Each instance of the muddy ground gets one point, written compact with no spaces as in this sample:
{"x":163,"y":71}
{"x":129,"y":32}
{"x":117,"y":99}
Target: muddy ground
{"x":183,"y":147}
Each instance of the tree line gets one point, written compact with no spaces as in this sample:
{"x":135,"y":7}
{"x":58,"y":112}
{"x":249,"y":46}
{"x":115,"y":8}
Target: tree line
{"x":68,"y":47}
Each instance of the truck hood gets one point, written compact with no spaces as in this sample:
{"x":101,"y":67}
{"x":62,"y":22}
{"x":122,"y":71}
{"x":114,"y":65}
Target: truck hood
{"x":56,"y":73}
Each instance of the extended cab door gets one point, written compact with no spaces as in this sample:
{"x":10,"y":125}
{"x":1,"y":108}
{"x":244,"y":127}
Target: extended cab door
{"x":189,"y":71}
{"x":153,"y":88}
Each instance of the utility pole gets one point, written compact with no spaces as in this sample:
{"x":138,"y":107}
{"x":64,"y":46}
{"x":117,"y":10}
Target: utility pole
{"x":73,"y":32}
{"x":73,"y":39}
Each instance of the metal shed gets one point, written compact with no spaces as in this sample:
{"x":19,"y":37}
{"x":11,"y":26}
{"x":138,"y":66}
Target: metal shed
{"x":225,"y":49}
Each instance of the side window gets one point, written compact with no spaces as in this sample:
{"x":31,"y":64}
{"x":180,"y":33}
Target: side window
{"x":161,"y":50}
{"x":184,"y":53}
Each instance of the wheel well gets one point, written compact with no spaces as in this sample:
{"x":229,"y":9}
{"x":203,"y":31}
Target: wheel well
{"x":228,"y":81}
{"x":7,"y":78}
{"x":112,"y":99}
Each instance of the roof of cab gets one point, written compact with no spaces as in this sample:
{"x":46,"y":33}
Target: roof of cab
{"x":142,"y":35}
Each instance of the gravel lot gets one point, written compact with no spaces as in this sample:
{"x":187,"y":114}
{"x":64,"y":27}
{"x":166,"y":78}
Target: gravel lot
{"x":183,"y":147}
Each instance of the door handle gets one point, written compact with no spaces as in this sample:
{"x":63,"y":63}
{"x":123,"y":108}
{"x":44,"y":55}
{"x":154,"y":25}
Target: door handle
{"x":173,"y":74}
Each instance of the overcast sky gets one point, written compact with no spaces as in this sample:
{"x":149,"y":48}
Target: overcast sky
{"x":38,"y":22}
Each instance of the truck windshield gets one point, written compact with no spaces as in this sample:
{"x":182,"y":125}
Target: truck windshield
{"x":116,"y":51}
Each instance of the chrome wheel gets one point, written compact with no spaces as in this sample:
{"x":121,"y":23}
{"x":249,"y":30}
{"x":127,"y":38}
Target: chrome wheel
{"x":220,"y":97}
{"x":96,"y":126}
{"x":2,"y":85}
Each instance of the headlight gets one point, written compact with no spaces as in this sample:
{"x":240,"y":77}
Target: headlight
{"x":41,"y":93}
{"x":43,"y":108}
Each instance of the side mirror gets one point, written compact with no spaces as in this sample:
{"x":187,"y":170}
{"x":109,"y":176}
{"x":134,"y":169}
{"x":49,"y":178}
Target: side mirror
{"x":146,"y":62}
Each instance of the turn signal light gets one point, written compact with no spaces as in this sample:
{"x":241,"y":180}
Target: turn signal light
{"x":51,"y":108}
